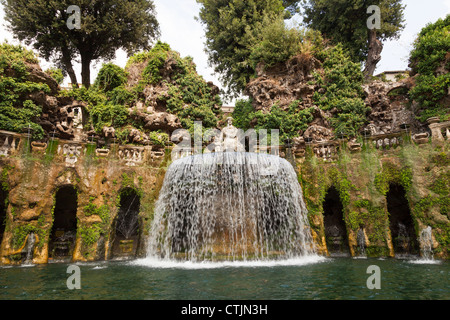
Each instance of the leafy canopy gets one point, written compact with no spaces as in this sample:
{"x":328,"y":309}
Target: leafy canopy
{"x":17,"y":109}
{"x":430,"y":58}
{"x":233,"y":28}
{"x":106,"y":26}
{"x":345,"y":22}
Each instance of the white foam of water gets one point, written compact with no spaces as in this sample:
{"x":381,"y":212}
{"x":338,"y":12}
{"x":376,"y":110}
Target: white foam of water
{"x":189,"y":265}
{"x":424,"y":261}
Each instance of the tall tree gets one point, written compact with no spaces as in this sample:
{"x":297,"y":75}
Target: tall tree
{"x":105,"y":27}
{"x":344,"y":21}
{"x":232,"y":28}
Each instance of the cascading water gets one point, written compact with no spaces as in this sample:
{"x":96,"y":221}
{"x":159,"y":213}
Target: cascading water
{"x":426,"y":243}
{"x":230,"y":206}
{"x":29,"y":249}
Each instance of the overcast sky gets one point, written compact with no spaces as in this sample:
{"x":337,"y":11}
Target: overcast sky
{"x":186,"y":35}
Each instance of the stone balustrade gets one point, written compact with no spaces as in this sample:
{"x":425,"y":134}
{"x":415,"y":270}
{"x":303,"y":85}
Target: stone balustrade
{"x":440,"y":131}
{"x":131,"y":156}
{"x":386,"y":141}
{"x":9,"y":143}
{"x":72,"y":151}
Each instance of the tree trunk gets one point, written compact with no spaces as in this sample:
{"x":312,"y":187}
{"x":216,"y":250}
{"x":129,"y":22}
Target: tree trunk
{"x":374,"y":55}
{"x":86,"y":72}
{"x":67,"y":62}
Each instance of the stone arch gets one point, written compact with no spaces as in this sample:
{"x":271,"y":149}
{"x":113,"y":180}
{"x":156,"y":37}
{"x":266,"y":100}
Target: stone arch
{"x":64,"y":229}
{"x":127,"y":224}
{"x":401,"y":224}
{"x":334,"y":225}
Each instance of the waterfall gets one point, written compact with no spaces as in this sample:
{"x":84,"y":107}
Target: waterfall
{"x":230,"y":206}
{"x":29,"y":249}
{"x":426,"y":243}
{"x":361,"y":240}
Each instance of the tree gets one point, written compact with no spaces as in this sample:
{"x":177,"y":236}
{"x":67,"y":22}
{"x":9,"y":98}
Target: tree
{"x":105,"y":27}
{"x":345,"y":22}
{"x":233,"y":27}
{"x":430,"y":64}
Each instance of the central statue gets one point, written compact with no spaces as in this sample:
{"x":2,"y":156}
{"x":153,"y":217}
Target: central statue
{"x":229,"y":139}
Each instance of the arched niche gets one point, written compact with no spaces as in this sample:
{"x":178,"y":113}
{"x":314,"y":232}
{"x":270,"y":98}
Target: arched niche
{"x":335,"y":229}
{"x":127,"y":225}
{"x":403,"y":234}
{"x":64,"y":229}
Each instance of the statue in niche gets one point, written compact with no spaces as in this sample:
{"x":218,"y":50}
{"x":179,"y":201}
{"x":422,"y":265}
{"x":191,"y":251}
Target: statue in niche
{"x":229,"y":139}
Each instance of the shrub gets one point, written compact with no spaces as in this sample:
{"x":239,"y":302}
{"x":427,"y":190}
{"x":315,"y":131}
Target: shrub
{"x":110,"y":77}
{"x":429,"y":55}
{"x":341,"y":84}
{"x":56,"y":74}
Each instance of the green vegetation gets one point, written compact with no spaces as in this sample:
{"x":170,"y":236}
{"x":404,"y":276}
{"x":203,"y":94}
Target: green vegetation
{"x":290,"y":122}
{"x":392,"y":175}
{"x":278,"y":44}
{"x":345,"y":23}
{"x":17,"y":109}
{"x":341,"y":84}
{"x":106,"y":27}
{"x":340,"y":92}
{"x":189,"y":96}
{"x":233,"y":28}
{"x":56,"y":74}
{"x":110,"y":77}
{"x":430,"y":59}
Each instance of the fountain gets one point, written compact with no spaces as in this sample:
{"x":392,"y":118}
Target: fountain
{"x":426,"y":244}
{"x":230,"y":206}
{"x":361,"y":240}
{"x":29,"y":249}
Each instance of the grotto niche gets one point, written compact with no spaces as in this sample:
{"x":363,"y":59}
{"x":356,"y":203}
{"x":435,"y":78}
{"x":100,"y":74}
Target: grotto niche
{"x":127,"y":225}
{"x":64,"y":230}
{"x":401,"y":223}
{"x":335,"y":229}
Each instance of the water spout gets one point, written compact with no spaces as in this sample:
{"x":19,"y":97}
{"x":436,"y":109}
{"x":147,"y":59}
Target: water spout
{"x":29,"y":249}
{"x":361,"y":240}
{"x":426,"y":244}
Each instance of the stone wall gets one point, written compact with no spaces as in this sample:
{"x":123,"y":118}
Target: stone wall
{"x":32,"y":175}
{"x":360,"y":170}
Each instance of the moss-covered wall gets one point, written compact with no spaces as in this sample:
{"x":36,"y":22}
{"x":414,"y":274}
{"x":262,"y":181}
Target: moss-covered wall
{"x":32,"y":178}
{"x":362,"y":180}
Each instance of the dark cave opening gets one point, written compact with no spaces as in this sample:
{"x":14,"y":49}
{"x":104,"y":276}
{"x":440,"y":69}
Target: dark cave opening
{"x":401,"y":223}
{"x":127,"y":224}
{"x":335,"y":229}
{"x":64,"y":230}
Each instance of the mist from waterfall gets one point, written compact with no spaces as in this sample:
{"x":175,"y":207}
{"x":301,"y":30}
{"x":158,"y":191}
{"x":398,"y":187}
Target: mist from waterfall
{"x":230,"y":206}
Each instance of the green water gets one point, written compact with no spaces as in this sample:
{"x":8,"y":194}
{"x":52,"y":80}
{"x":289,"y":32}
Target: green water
{"x":341,"y":278}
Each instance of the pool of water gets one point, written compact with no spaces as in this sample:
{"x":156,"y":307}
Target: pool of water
{"x":305,"y":279}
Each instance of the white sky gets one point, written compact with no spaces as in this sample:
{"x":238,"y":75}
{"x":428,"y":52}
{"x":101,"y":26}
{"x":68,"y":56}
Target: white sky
{"x":186,"y":35}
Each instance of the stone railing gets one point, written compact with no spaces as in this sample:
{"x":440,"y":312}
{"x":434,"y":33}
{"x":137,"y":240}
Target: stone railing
{"x":9,"y":143}
{"x":440,"y":131}
{"x":70,"y":152}
{"x":386,"y":141}
{"x":132,"y":156}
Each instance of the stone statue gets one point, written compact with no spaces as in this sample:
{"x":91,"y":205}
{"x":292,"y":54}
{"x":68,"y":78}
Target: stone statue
{"x":229,"y":139}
